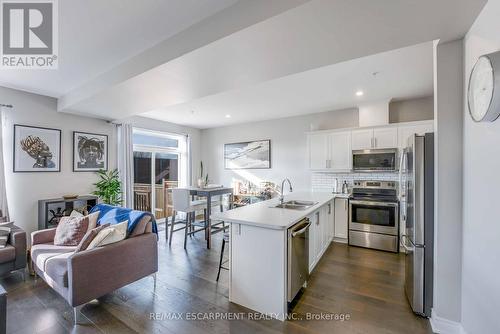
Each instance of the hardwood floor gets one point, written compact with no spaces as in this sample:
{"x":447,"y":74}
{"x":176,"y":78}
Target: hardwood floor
{"x":367,"y":285}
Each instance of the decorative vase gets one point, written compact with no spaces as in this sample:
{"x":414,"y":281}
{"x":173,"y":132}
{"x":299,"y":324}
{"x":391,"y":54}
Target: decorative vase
{"x":201,"y":183}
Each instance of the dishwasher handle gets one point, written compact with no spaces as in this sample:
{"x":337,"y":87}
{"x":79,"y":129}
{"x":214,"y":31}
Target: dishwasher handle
{"x":296,"y":231}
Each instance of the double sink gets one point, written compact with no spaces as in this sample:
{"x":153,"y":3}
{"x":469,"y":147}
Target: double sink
{"x":295,"y":205}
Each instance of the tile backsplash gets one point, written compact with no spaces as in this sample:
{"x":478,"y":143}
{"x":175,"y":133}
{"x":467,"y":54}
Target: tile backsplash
{"x":323,"y":181}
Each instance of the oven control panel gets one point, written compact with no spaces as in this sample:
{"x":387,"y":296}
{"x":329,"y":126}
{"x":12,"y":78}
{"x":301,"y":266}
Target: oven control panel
{"x":375,"y":184}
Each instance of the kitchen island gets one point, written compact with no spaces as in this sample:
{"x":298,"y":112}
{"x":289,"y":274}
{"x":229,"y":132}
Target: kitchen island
{"x":259,"y":248}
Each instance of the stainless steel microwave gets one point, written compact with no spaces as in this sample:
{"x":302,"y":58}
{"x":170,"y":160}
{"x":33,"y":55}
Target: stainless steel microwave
{"x":381,"y":160}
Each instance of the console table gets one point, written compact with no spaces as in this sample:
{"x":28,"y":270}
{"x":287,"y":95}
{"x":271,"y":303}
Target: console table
{"x":65,"y":205}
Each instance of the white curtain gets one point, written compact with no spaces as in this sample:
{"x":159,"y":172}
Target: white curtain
{"x":126,"y":163}
{"x":3,"y":193}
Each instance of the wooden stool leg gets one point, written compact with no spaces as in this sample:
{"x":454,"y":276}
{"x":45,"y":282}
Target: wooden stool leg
{"x":172,"y":227}
{"x":221,"y":257}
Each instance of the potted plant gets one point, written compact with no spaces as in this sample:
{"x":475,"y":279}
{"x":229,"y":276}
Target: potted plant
{"x":109,"y":187}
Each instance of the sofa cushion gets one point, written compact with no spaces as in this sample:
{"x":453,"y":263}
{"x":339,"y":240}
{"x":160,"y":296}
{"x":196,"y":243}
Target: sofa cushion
{"x":140,"y":228}
{"x":57,"y":268}
{"x":70,"y":231}
{"x":110,"y":235}
{"x":88,"y":237}
{"x":7,"y":254}
{"x":42,"y":252}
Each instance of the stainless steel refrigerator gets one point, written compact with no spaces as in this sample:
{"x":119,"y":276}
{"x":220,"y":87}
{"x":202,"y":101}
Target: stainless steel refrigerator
{"x":417,"y":215}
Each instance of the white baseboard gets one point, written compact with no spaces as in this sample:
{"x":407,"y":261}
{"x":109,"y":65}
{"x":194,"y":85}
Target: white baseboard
{"x":445,"y":326}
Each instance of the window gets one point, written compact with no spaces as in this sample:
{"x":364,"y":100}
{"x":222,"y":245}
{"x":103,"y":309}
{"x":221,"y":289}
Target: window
{"x":160,"y":163}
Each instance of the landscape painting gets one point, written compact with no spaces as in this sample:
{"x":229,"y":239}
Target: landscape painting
{"x":248,"y":155}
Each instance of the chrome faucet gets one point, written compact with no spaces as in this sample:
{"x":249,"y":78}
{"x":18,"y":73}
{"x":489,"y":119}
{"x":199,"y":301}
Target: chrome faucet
{"x":282,"y":197}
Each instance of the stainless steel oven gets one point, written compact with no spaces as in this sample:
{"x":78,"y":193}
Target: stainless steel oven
{"x":374,"y":215}
{"x":383,"y":160}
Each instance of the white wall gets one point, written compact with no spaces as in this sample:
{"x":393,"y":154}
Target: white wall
{"x":448,"y":87}
{"x":481,"y":209}
{"x":288,"y":147}
{"x":374,"y":113}
{"x":411,"y":110}
{"x":25,"y":189}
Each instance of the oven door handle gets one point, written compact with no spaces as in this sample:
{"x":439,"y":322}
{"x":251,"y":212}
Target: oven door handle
{"x":370,"y":203}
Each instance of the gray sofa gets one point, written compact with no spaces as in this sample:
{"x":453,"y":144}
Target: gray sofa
{"x":89,"y":274}
{"x":13,"y":256}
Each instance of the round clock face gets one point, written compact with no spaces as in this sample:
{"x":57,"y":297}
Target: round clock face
{"x":481,"y":87}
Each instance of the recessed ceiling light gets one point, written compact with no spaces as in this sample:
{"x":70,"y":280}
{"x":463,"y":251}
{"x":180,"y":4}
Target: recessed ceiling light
{"x":359,"y":93}
{"x":228,"y":116}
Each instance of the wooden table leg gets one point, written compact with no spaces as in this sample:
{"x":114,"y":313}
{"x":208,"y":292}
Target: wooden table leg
{"x":209,"y":225}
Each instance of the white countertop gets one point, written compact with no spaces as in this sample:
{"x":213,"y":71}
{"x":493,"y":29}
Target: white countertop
{"x":264,"y":214}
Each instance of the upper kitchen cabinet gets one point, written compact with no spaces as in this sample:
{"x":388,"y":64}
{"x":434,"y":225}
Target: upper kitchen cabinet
{"x":385,"y":137}
{"x":362,"y":139}
{"x":318,"y":150}
{"x":330,"y":151}
{"x":405,"y":131}
{"x":366,"y":139}
{"x":340,"y":151}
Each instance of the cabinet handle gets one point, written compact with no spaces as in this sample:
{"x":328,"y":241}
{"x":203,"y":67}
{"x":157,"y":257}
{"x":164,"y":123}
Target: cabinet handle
{"x":375,"y":142}
{"x":329,"y":209}
{"x":345,"y":204}
{"x":317,"y":220}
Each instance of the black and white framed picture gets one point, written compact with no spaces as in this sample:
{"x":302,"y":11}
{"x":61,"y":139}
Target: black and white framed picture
{"x":248,"y":155}
{"x":90,"y":152}
{"x":36,"y":149}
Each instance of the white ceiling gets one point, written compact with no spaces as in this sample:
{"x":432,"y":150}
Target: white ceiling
{"x":315,"y":34}
{"x":120,"y":58}
{"x":96,"y":35}
{"x":402,"y":74}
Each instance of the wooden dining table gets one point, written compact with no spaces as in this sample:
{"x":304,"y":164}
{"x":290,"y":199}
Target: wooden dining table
{"x":208,"y":193}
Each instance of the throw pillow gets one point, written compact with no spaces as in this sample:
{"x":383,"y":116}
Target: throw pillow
{"x":93,"y":217}
{"x":88,"y":237}
{"x":76,"y":214}
{"x":70,"y":231}
{"x":109,"y":235}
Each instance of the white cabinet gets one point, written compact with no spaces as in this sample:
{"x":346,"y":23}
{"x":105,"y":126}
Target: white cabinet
{"x":318,"y":150}
{"x":405,"y":131}
{"x":314,"y":235}
{"x":341,"y":218}
{"x":375,"y":138}
{"x":362,"y":139}
{"x":340,"y":151}
{"x":385,"y":137}
{"x":330,"y":151}
{"x":320,"y":233}
{"x":331,"y":219}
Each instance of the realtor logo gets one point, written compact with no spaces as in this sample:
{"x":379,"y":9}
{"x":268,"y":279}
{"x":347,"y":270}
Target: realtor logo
{"x":29,"y":34}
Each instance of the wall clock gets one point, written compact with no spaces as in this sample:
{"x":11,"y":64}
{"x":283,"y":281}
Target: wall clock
{"x":483,"y":94}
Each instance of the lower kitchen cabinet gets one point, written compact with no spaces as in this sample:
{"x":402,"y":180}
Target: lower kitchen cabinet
{"x":320,"y":233}
{"x":341,"y":219}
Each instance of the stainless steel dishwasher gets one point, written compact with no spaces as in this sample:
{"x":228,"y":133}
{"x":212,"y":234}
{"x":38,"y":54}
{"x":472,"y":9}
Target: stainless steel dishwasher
{"x":298,"y":257}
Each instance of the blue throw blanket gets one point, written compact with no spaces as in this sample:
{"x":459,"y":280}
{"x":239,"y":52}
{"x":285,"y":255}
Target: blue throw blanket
{"x":115,"y":215}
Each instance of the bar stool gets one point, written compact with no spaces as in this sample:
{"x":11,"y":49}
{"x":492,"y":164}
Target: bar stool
{"x":225,"y":239}
{"x":182,"y":203}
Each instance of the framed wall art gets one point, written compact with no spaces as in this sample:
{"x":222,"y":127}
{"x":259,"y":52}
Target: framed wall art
{"x":248,"y":155}
{"x":90,"y":152}
{"x":36,"y":149}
